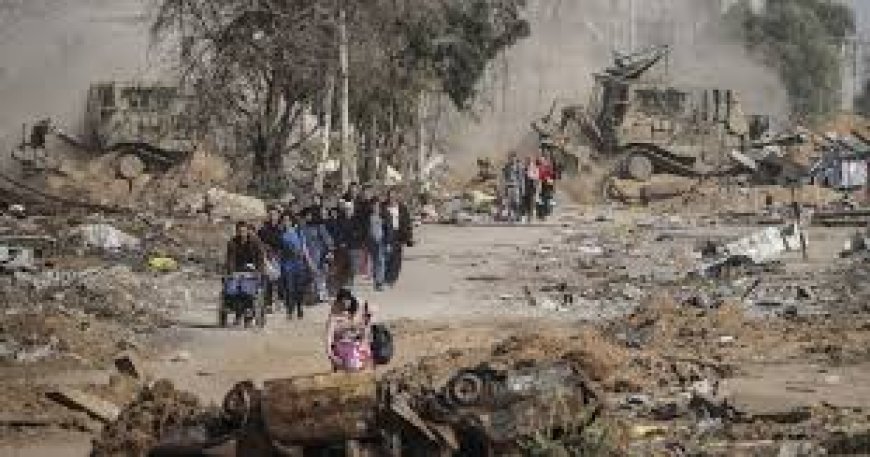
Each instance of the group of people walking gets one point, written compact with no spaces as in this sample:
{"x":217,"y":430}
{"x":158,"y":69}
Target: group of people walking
{"x":528,"y":188}
{"x":318,"y":249}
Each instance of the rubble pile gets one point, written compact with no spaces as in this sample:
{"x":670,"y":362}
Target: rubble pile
{"x":85,"y":317}
{"x":674,"y":341}
{"x":112,"y":292}
{"x":68,"y":338}
{"x":158,"y":412}
{"x":98,"y":180}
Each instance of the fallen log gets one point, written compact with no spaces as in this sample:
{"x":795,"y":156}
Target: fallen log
{"x":320,"y":408}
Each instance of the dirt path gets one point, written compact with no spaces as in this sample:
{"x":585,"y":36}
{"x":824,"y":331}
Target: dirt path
{"x":434,"y":307}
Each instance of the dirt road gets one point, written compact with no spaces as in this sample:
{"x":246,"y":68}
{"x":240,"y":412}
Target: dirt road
{"x":463,"y":287}
{"x":433,"y":307}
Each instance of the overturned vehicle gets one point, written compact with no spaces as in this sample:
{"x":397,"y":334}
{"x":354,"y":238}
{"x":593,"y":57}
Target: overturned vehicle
{"x":483,"y":410}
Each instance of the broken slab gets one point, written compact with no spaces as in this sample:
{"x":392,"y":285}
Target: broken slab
{"x":81,"y":401}
{"x":768,"y":244}
{"x":11,"y":419}
{"x":760,"y":248}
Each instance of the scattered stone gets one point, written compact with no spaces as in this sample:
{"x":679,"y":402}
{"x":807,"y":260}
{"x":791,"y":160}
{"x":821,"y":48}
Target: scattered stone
{"x":726,"y":339}
{"x":34,"y":354}
{"x":638,"y":400}
{"x":104,"y":236}
{"x":129,"y":364}
{"x":180,"y":356}
{"x":235,"y":206}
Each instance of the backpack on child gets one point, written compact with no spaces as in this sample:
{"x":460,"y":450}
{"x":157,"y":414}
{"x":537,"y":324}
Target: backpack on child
{"x":382,"y":344}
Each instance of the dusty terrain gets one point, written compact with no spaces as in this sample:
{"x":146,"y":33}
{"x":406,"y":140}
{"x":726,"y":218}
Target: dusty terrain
{"x":600,"y":286}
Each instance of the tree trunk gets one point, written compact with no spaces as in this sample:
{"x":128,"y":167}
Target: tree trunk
{"x":375,"y":151}
{"x":421,"y":136}
{"x":327,"y":131}
{"x":261,"y":157}
{"x":347,"y":168}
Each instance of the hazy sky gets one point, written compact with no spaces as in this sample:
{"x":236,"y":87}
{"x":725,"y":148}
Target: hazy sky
{"x":53,"y":49}
{"x":571,"y":39}
{"x":862,"y":13}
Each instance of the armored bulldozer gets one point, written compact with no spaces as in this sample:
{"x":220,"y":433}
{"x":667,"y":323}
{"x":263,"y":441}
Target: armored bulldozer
{"x":145,"y":123}
{"x":148,"y":119}
{"x":638,"y":124}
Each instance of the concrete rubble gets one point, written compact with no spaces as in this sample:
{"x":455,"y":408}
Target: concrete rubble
{"x":104,"y":237}
{"x":676,"y":312}
{"x":235,"y":206}
{"x":662,"y":345}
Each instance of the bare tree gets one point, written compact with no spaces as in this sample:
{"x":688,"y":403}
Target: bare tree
{"x":258,"y":65}
{"x":253,"y":66}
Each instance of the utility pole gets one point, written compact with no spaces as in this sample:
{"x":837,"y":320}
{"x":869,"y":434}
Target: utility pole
{"x":632,"y":26}
{"x":326,"y":134}
{"x":348,"y":169}
{"x":421,"y":140}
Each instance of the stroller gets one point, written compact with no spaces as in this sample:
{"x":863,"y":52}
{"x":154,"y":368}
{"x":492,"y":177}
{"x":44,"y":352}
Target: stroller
{"x":242,"y":294}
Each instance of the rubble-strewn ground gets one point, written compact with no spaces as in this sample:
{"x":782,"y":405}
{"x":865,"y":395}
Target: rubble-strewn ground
{"x":730,"y":366}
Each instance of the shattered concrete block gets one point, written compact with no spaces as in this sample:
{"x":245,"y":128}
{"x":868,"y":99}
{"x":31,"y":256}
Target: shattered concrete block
{"x":78,"y":400}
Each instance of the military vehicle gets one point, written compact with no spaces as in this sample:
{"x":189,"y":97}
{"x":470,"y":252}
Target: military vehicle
{"x":638,"y":124}
{"x":145,"y":123}
{"x":147,"y":119}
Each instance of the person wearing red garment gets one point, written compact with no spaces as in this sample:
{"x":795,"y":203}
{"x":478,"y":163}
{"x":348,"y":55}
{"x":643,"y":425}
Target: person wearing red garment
{"x":547,"y":177}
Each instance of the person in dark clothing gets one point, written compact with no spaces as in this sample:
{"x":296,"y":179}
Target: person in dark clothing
{"x":296,"y":266}
{"x":358,"y":236}
{"x":270,"y":235}
{"x":316,"y":209}
{"x":402,"y":228}
{"x":348,"y":237}
{"x":245,"y":253}
{"x":379,"y":240}
{"x":321,"y":247}
{"x":332,"y":224}
{"x":352,"y":194}
{"x":294,"y":208}
{"x":530,"y":190}
{"x":548,"y":193}
{"x":513,"y":178}
{"x":339,"y":254}
{"x":207,"y":208}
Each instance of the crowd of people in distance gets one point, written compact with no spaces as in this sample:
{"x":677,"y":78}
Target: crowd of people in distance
{"x":528,"y":188}
{"x":315,"y":249}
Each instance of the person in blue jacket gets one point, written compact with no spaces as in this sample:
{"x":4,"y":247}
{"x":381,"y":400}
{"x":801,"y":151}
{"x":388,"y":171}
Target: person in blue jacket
{"x":296,"y":265}
{"x":320,"y":247}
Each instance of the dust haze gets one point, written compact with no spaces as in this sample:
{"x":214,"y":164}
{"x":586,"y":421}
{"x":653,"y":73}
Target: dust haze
{"x":53,"y":49}
{"x":570,"y":39}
